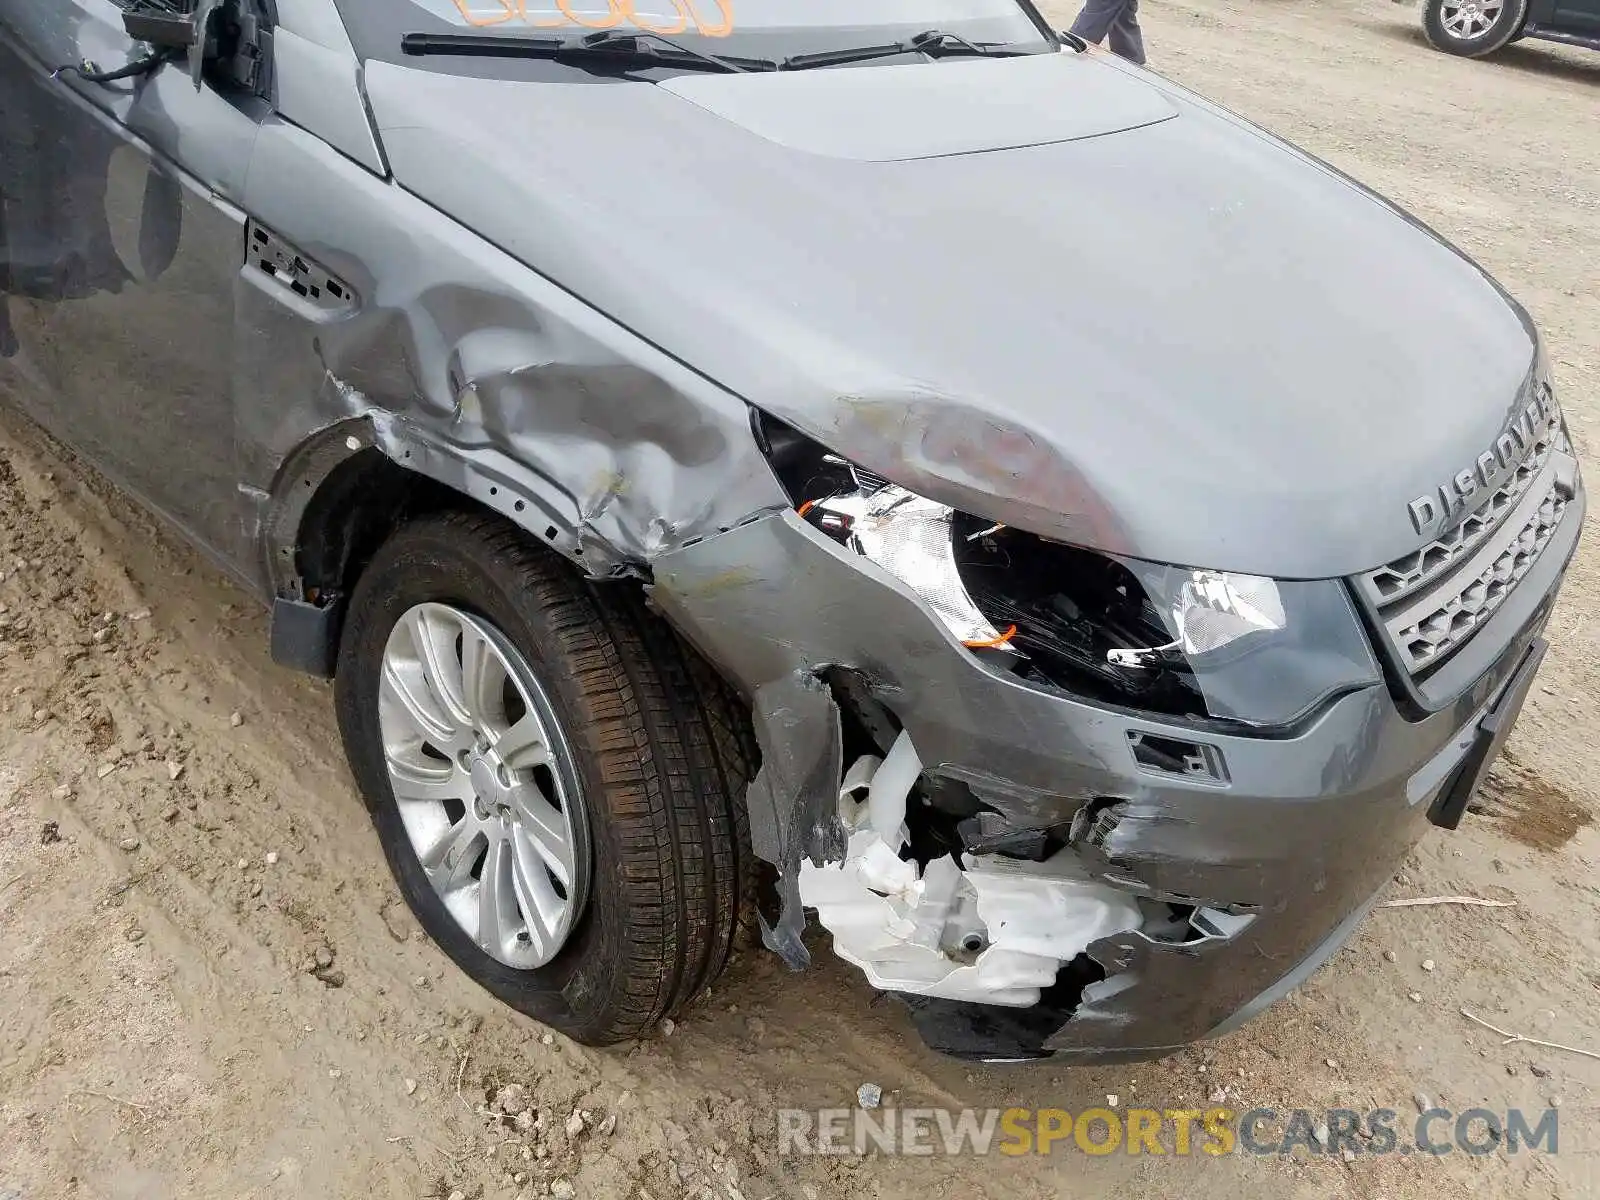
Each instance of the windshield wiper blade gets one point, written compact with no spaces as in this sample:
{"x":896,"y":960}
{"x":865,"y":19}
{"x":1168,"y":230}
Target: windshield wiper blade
{"x":638,"y":46}
{"x":935,"y":42}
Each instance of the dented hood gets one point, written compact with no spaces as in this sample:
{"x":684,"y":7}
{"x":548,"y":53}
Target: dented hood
{"x":1055,"y":291}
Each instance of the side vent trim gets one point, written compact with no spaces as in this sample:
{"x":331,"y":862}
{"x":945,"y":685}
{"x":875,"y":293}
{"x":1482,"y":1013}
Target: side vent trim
{"x":310,"y":281}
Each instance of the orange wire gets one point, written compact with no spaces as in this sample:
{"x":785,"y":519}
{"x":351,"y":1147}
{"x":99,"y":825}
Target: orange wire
{"x":985,"y":643}
{"x":806,"y":507}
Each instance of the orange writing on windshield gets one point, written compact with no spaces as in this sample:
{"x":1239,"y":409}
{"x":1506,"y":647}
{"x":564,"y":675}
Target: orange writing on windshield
{"x":617,"y":12}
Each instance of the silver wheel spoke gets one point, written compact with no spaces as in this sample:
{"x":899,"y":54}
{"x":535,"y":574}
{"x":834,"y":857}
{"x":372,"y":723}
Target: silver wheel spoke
{"x":495,"y":896}
{"x":404,"y":689}
{"x":545,"y":832}
{"x":541,"y":907}
{"x":482,"y":675}
{"x":437,"y":781}
{"x":448,"y":861}
{"x":524,"y":746}
{"x":435,"y":645}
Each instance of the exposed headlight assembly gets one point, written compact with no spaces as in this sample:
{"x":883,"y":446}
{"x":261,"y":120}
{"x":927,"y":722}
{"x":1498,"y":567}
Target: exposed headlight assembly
{"x":910,"y":537}
{"x":1261,"y":651}
{"x":1157,"y":638}
{"x":1211,"y":611}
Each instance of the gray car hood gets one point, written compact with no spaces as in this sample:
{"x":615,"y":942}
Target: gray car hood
{"x":1052,"y":290}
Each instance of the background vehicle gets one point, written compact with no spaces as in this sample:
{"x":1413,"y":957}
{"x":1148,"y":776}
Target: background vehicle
{"x":1475,"y":28}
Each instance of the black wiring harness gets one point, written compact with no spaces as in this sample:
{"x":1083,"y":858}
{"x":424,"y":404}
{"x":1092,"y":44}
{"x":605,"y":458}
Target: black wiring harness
{"x":139,"y":66}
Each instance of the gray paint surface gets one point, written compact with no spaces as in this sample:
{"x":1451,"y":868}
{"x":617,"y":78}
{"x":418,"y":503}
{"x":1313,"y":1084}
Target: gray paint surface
{"x":123,"y":265}
{"x":1054,"y":291}
{"x":972,"y":107}
{"x":1109,"y":340}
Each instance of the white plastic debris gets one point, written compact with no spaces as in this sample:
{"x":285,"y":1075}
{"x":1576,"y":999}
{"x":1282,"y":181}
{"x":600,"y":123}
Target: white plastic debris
{"x":987,"y":929}
{"x":869,"y":1095}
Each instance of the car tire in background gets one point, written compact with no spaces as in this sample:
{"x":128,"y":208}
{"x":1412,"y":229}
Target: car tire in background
{"x":556,"y":779}
{"x":1472,"y":28}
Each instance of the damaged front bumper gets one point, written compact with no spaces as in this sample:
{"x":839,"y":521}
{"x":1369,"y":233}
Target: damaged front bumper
{"x":1213,"y":870}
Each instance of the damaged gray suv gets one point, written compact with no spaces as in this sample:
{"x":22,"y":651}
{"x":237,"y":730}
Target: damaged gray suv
{"x":882,"y":464}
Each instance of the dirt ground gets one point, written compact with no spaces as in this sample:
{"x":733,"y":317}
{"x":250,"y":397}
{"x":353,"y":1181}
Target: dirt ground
{"x":209,"y":987}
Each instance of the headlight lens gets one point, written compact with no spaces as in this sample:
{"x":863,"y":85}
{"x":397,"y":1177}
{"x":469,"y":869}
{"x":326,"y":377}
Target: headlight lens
{"x":910,"y":537}
{"x":1261,"y":651}
{"x":1258,"y":651}
{"x":1211,"y":611}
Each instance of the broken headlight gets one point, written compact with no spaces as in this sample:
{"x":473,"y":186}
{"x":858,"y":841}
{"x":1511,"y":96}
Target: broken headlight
{"x":1260,"y":651}
{"x":1165,"y":639}
{"x":1160,"y":639}
{"x":1212,"y":611}
{"x":909,"y":537}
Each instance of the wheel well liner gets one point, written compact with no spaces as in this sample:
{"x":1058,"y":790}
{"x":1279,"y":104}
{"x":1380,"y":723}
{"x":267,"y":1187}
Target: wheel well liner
{"x":327,"y":537}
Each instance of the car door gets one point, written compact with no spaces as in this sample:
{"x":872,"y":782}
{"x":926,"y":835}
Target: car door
{"x":1577,"y":16}
{"x":121,"y":244}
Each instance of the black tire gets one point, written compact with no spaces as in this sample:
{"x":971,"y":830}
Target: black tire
{"x":662,"y":750}
{"x":1505,"y":27}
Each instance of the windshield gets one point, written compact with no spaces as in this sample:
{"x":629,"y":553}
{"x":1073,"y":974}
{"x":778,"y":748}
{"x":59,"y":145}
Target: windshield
{"x":773,"y":29}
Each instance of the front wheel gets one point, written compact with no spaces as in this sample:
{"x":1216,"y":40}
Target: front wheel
{"x":1472,"y":28}
{"x":557,"y":781}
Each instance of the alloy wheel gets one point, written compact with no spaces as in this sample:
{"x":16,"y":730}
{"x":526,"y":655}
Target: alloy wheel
{"x":484,"y":783}
{"x":1468,"y":20}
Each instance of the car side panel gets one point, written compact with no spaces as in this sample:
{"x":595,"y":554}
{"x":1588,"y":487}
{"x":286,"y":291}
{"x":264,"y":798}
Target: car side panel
{"x":473,"y":369}
{"x":1540,"y":12}
{"x":1576,"y":16}
{"x":122,"y":247}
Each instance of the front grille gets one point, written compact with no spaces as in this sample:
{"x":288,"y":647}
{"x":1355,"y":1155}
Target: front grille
{"x":1430,"y":602}
{"x":1420,"y":568}
{"x":1451,"y":618}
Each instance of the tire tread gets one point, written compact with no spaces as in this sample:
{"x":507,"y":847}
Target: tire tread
{"x":673,"y":750}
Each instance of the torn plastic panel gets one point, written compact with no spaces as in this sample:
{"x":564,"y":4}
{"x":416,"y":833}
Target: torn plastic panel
{"x":802,"y":757}
{"x":979,"y":928}
{"x":1166,"y":950}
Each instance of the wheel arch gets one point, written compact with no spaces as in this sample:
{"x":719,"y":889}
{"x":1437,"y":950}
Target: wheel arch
{"x":345,"y":489}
